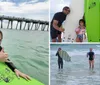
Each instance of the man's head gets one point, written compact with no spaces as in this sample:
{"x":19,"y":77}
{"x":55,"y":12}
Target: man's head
{"x":91,"y":49}
{"x":59,"y":49}
{"x":66,"y":10}
{"x":1,"y":37}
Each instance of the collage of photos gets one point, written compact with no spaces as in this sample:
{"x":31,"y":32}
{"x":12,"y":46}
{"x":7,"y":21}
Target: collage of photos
{"x":24,"y":42}
{"x":49,"y":42}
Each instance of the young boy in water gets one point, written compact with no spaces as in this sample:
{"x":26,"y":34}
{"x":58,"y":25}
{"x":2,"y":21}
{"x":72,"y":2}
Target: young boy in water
{"x":80,"y":31}
{"x":4,"y":58}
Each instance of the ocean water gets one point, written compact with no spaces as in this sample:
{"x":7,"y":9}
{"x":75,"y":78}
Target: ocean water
{"x":29,"y":51}
{"x":77,"y":71}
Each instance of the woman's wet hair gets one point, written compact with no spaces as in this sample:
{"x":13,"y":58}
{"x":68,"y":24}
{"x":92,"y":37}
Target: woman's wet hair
{"x":1,"y":34}
{"x":82,"y":20}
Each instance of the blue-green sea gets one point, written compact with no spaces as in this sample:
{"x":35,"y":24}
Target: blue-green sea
{"x":29,"y":51}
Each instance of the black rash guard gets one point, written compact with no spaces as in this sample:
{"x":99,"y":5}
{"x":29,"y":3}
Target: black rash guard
{"x":10,"y":65}
{"x":60,"y":17}
{"x":91,"y":55}
{"x":59,"y":58}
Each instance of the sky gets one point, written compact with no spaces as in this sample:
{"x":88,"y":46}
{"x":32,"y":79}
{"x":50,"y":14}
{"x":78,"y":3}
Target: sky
{"x":33,"y":9}
{"x":57,"y":5}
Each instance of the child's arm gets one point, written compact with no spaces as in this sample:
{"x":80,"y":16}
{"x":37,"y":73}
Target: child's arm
{"x":17,"y":72}
{"x":84,"y":34}
{"x":77,"y":30}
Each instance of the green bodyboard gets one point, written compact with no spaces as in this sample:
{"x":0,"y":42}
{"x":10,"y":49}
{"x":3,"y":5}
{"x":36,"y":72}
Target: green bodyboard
{"x":86,"y":4}
{"x":92,"y":17}
{"x":7,"y":77}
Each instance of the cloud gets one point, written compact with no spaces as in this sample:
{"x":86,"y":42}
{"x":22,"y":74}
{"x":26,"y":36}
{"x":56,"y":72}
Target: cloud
{"x":57,"y":5}
{"x":39,"y":10}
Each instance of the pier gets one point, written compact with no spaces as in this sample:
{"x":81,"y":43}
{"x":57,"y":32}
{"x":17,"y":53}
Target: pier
{"x":23,"y":22}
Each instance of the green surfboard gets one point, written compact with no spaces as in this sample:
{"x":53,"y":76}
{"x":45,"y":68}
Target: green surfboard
{"x":7,"y":77}
{"x":86,"y":4}
{"x":92,"y":17}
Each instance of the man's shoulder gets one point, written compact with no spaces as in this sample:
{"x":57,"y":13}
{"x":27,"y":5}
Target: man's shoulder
{"x":91,"y":52}
{"x":58,"y":13}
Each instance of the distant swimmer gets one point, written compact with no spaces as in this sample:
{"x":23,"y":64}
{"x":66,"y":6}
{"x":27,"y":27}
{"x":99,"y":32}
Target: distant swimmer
{"x":60,"y":60}
{"x":91,"y":56}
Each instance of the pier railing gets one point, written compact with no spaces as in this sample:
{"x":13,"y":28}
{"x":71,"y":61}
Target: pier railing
{"x":31,"y":24}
